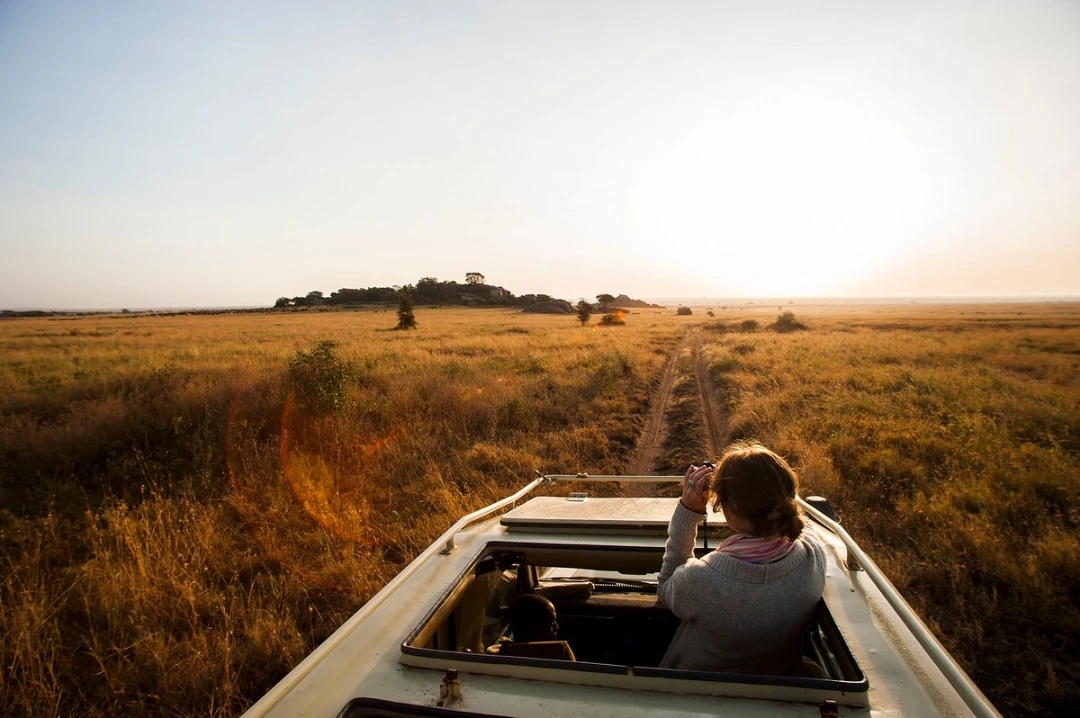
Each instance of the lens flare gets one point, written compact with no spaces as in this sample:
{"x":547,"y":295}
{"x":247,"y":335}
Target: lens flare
{"x":340,"y":502}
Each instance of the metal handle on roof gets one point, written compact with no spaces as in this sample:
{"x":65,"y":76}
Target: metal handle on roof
{"x":599,"y":477}
{"x":447,"y":539}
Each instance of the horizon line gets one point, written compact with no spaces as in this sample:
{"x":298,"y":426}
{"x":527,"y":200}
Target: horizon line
{"x":745,"y":300}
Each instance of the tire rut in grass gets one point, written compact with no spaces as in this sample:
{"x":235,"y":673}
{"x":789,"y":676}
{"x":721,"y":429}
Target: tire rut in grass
{"x":686,"y":423}
{"x":717,"y":431}
{"x":651,"y":439}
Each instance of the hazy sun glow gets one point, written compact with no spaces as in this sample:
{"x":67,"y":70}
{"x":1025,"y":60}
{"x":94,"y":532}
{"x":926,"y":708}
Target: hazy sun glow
{"x":815,"y":186}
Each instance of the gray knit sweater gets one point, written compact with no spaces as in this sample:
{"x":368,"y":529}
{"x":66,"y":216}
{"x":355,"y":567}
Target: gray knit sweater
{"x":737,"y":616}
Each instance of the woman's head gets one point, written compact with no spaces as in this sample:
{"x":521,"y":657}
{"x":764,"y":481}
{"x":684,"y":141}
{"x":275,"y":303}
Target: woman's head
{"x":759,"y":487}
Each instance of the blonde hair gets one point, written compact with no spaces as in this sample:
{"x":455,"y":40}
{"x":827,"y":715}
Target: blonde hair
{"x":760,"y":487}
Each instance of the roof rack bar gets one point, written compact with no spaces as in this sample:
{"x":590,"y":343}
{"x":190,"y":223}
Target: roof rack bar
{"x":447,"y":538}
{"x":976,"y":701}
{"x":603,"y":477}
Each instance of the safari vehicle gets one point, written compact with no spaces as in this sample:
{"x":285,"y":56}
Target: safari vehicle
{"x":420,"y":646}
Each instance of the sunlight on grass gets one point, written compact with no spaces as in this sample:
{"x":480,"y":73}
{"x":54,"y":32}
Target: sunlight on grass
{"x":952,"y":450}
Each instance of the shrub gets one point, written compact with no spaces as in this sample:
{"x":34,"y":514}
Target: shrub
{"x":718,"y":327}
{"x":614,"y":319}
{"x":787,"y":322}
{"x":684,"y":311}
{"x":320,"y":378}
{"x":749,"y":325}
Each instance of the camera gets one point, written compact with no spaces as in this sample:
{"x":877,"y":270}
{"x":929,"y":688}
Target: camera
{"x":710,"y":464}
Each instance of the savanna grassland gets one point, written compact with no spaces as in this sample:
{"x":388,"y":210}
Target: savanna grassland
{"x":950,"y":441}
{"x":191,"y":503}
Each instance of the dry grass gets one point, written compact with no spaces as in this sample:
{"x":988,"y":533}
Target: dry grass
{"x":950,"y":441}
{"x":180,"y":526}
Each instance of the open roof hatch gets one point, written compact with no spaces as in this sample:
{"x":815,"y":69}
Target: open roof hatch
{"x":608,"y":516}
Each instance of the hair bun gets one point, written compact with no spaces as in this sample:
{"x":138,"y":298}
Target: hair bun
{"x":789,"y":520}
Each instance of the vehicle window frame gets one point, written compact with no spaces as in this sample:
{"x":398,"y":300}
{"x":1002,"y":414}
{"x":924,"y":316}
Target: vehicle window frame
{"x":856,"y":686}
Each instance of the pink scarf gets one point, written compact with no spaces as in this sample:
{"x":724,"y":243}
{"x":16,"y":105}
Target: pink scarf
{"x":756,"y":549}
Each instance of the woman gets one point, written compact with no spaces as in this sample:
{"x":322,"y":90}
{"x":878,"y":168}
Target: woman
{"x":743,"y":606}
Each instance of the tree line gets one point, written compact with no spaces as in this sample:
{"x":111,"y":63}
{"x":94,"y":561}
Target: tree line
{"x":427,"y":290}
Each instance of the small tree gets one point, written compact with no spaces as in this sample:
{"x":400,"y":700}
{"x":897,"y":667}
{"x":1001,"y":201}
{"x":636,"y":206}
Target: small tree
{"x":584,"y":311}
{"x":604,"y":298}
{"x":282,"y":302}
{"x":684,"y":311}
{"x":474,"y":278}
{"x":406,"y":319}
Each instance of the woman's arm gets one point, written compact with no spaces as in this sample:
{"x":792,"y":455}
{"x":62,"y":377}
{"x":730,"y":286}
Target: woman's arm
{"x":682,"y":531}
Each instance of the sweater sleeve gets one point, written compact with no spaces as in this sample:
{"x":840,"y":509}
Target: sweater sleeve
{"x":682,"y":534}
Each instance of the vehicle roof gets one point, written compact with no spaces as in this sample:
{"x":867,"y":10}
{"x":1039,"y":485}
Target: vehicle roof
{"x":364,"y":657}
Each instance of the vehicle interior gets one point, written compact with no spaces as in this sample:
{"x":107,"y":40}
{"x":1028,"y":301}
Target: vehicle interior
{"x":607,"y":609}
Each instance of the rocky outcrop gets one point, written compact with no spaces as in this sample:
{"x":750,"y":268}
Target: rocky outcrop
{"x":624,"y":301}
{"x":556,"y":306}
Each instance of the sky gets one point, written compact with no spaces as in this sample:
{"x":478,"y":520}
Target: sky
{"x":226,"y":153}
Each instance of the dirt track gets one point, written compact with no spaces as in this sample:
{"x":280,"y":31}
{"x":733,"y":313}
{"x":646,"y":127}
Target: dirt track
{"x":714,"y":422}
{"x":716,"y":425}
{"x":649,"y":445}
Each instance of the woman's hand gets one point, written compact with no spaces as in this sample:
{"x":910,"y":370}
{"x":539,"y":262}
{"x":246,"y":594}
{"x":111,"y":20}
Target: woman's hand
{"x":695,"y":482}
